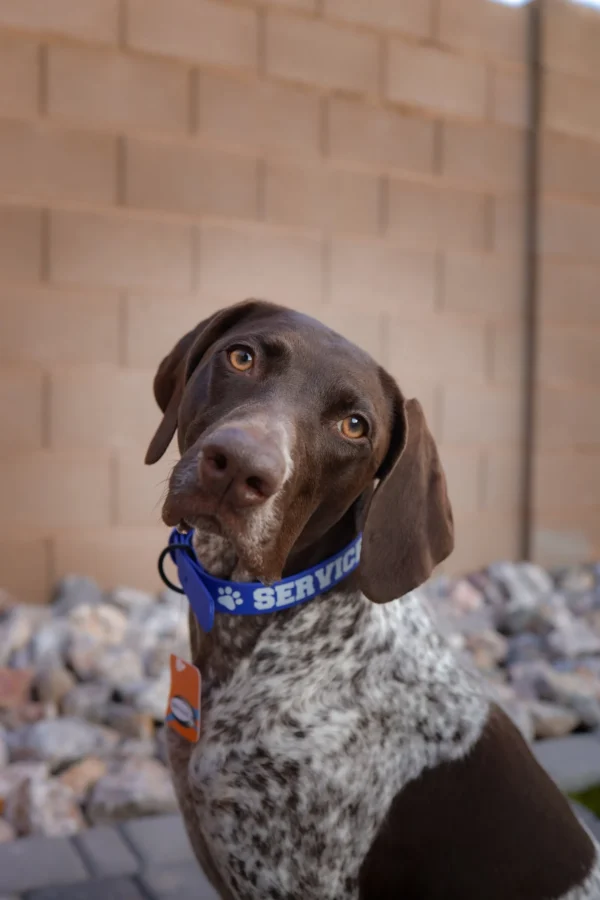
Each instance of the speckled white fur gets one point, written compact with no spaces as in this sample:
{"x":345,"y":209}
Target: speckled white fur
{"x":315,"y":733}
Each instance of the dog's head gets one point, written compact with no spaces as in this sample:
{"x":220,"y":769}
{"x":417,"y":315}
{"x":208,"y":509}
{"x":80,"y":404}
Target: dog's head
{"x":283,"y":425}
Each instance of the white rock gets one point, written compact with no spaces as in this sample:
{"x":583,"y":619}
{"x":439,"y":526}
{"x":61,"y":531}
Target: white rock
{"x":12,"y":776}
{"x":100,"y":621}
{"x":154,"y":697}
{"x":64,"y":740}
{"x":42,"y":807}
{"x":551,"y":720}
{"x":87,"y":701}
{"x":129,"y":599}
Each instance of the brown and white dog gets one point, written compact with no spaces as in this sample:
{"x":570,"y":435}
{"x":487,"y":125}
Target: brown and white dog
{"x":344,"y":753}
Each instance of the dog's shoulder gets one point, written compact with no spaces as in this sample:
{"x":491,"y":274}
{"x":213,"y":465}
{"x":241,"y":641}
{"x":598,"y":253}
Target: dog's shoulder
{"x":493,"y":810}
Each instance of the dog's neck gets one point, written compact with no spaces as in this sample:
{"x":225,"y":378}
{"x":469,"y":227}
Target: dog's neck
{"x":232,"y":638}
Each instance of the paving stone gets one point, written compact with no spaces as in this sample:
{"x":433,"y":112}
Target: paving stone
{"x":183,"y":882}
{"x":36,"y":862}
{"x":573,"y":762}
{"x":103,"y":889}
{"x":159,"y":840}
{"x":106,"y":853}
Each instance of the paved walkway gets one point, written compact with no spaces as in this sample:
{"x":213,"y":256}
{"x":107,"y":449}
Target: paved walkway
{"x":144,"y":859}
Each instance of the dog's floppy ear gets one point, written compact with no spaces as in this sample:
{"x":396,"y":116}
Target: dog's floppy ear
{"x":409,"y":526}
{"x":176,"y":368}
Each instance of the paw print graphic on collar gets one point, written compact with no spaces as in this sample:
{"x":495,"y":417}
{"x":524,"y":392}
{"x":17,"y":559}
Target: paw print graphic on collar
{"x":229,"y":598}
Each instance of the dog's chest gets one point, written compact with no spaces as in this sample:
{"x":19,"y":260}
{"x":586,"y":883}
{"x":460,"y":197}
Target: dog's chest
{"x":304,"y":749}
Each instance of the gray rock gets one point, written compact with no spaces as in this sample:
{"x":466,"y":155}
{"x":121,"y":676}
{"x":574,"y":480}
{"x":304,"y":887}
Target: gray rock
{"x":129,"y":599}
{"x":551,"y":721}
{"x":72,"y":591}
{"x":84,"y":655}
{"x":16,"y":628}
{"x":132,"y":747}
{"x":154,"y":696}
{"x":119,"y":667}
{"x":61,"y":741}
{"x":87,"y":701}
{"x":52,"y":685}
{"x":524,"y":648}
{"x":576,"y":692}
{"x":525,"y":586}
{"x":100,"y":621}
{"x":44,"y":807}
{"x":13,"y":775}
{"x":136,"y":787}
{"x":156,"y":660}
{"x":49,"y":644}
{"x":573,"y":637}
{"x":129,"y":722}
{"x":488,"y":649}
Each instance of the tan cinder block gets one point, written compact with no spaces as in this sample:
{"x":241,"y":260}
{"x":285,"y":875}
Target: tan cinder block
{"x":570,"y":165}
{"x":163,"y":175}
{"x":567,"y":416}
{"x":21,"y":408}
{"x":439,"y":81}
{"x":463,"y":469}
{"x":483,"y":539}
{"x":20,"y":243}
{"x":19,"y":77}
{"x":508,"y":354}
{"x":107,"y":89}
{"x":114,"y":556}
{"x":364,"y":331}
{"x":238,"y":263}
{"x":421,"y":215}
{"x":474,"y":414}
{"x":47,"y":490}
{"x":566,"y":536}
{"x":410,"y":16}
{"x":483,"y":285}
{"x":203,"y":30}
{"x":119,"y":250}
{"x":571,"y":38}
{"x":258,"y":114}
{"x":458,"y":347}
{"x":509,"y":98}
{"x":502,"y":479}
{"x":489,"y":28}
{"x":94,"y":20}
{"x":57,"y":164}
{"x":483,"y":154}
{"x":571,"y":104}
{"x":568,"y":354}
{"x":509,"y":223}
{"x":570,"y":229}
{"x":318,"y":52}
{"x":379,"y":136}
{"x":24,"y":563}
{"x":565,"y":479}
{"x":322,"y":197}
{"x":141,"y":489}
{"x":102,"y":406}
{"x":154,"y":326}
{"x":382,"y":276}
{"x":569,"y":293}
{"x":306,"y":5}
{"x":47,"y":326}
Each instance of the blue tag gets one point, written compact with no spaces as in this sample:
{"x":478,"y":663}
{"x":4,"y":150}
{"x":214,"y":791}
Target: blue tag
{"x":207,"y":594}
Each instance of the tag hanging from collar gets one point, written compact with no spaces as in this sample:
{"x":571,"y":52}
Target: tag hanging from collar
{"x":207,"y":594}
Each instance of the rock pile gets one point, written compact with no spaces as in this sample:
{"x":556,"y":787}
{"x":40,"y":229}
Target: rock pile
{"x":84,"y":683}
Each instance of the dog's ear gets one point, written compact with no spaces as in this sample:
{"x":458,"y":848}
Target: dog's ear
{"x":409,"y":526}
{"x":176,"y":369}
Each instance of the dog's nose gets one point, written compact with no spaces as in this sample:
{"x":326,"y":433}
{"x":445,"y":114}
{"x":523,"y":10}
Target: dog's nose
{"x":244,"y":462}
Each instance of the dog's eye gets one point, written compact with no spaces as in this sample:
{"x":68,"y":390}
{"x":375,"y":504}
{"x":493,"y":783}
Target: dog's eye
{"x":353,"y":427}
{"x":241,"y":359}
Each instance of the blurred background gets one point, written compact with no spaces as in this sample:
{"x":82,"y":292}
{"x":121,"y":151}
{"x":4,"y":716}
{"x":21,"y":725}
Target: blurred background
{"x":422,"y":175}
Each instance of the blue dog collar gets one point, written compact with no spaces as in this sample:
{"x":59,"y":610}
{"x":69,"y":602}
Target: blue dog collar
{"x":207,"y":594}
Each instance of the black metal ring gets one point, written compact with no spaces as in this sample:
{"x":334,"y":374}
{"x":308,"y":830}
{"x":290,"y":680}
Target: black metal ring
{"x":161,"y":561}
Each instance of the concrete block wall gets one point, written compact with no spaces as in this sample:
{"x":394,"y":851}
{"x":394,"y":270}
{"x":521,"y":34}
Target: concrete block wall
{"x":363,"y":161}
{"x":567,"y":459}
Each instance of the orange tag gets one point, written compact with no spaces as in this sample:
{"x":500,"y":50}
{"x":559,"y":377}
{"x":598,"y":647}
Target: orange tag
{"x":183,"y":713}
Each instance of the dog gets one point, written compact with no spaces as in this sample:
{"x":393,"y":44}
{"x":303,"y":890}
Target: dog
{"x":344,"y":752}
